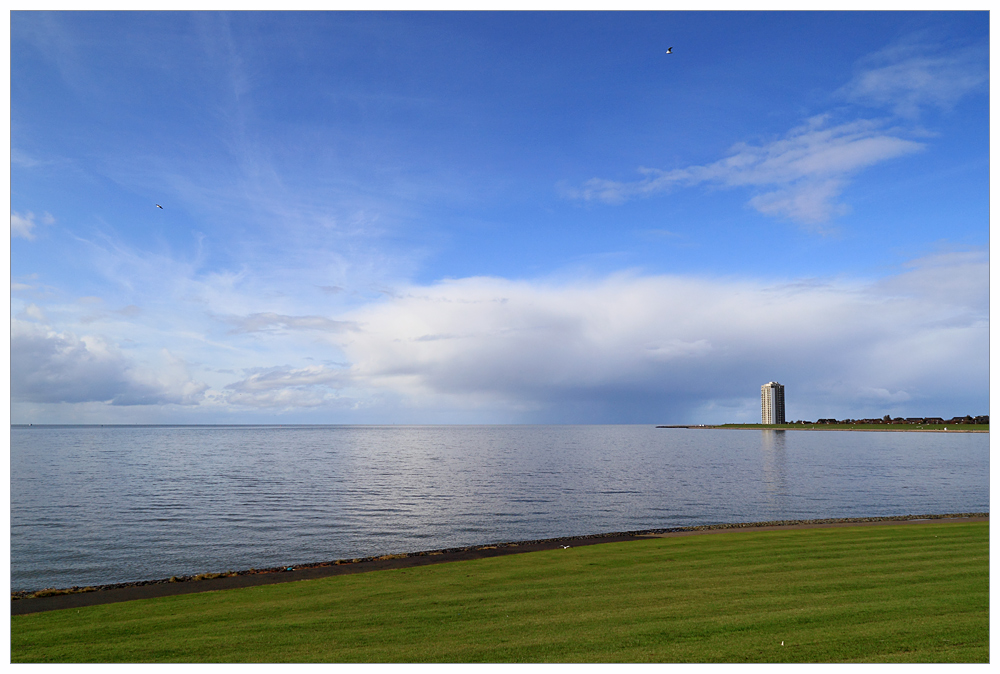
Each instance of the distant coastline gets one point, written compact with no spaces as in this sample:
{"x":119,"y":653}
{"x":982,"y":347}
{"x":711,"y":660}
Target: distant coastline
{"x":885,"y":428}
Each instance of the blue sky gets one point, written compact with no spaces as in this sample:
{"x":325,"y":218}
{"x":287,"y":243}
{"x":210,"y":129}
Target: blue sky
{"x":497,"y":217}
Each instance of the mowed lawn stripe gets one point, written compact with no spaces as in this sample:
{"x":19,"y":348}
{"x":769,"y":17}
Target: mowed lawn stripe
{"x":911,"y":593}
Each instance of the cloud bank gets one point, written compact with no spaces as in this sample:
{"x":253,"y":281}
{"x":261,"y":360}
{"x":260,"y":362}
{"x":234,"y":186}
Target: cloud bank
{"x":677,"y":344}
{"x":53,"y":367}
{"x":625,"y":348}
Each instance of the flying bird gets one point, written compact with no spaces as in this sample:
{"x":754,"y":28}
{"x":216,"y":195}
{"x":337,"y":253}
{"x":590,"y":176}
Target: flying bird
{"x":159,"y":206}
{"x":670,"y":50}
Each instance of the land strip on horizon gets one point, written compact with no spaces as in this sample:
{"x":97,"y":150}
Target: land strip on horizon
{"x":885,"y":428}
{"x":24,"y":603}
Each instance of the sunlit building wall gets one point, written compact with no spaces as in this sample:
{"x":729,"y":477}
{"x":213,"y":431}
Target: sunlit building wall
{"x":772,"y":403}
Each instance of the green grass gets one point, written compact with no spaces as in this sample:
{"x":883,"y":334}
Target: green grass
{"x":984,"y":428}
{"x":889,"y":593}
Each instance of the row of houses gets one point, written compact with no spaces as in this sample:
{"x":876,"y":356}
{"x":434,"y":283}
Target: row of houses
{"x":908,"y":420}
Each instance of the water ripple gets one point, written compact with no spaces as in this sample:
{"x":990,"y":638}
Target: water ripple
{"x":94,"y":505}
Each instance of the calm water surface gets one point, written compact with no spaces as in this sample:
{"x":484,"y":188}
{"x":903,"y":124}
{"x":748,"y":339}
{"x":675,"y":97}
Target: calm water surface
{"x":94,"y":505}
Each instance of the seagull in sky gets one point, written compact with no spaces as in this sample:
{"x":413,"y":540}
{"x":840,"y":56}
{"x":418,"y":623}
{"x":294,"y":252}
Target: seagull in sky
{"x":670,"y":50}
{"x":159,"y":206}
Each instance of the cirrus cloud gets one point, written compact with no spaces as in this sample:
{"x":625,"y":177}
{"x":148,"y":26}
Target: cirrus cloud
{"x":802,"y":173}
{"x":910,"y":75}
{"x":270,"y":321}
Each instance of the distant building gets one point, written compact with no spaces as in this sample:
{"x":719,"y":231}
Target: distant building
{"x":772,"y":403}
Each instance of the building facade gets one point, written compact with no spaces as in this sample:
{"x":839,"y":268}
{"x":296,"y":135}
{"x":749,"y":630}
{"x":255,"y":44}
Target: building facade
{"x":772,"y":403}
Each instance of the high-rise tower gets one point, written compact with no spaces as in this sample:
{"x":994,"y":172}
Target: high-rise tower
{"x":772,"y":403}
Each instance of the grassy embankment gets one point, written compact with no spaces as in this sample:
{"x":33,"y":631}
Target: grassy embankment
{"x":982,"y":428}
{"x":911,"y":593}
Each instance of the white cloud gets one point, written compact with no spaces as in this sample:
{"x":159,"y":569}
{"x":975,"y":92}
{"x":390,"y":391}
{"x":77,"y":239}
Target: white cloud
{"x":23,"y":225}
{"x":804,"y":172}
{"x":909,"y":76}
{"x":168,"y":382}
{"x":658,"y":341}
{"x":52,"y":367}
{"x":801,"y":176}
{"x":33,"y":312}
{"x":625,"y":348}
{"x":269,"y":321}
{"x":22,"y":158}
{"x":810,"y":202}
{"x":287,"y":387}
{"x":953,"y":280}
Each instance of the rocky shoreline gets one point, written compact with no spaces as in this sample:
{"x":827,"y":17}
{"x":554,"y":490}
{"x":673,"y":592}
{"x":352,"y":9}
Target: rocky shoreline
{"x":248,"y":577}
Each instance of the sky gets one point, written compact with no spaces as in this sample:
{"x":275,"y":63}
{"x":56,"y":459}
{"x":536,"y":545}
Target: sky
{"x":478,"y":217}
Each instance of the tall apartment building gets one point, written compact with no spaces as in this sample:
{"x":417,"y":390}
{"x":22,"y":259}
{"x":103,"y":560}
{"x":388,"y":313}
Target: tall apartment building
{"x":772,"y":403}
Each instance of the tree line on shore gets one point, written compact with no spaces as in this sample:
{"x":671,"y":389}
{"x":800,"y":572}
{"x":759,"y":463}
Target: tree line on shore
{"x":908,"y":420}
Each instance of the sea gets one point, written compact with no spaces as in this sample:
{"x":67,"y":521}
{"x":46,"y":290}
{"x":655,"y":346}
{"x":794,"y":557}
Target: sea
{"x":109,"y":504}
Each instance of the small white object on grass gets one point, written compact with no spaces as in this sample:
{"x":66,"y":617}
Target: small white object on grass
{"x":782,"y":643}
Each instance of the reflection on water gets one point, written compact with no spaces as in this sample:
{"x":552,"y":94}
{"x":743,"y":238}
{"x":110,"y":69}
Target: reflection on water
{"x":109,"y":504}
{"x":774,"y":475}
{"x":772,"y":439}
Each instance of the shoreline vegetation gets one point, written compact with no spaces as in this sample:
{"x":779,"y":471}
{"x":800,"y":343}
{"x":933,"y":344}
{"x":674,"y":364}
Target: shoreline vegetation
{"x":915,"y":591}
{"x":966,"y":424}
{"x":909,"y":428}
{"x":796,"y":426}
